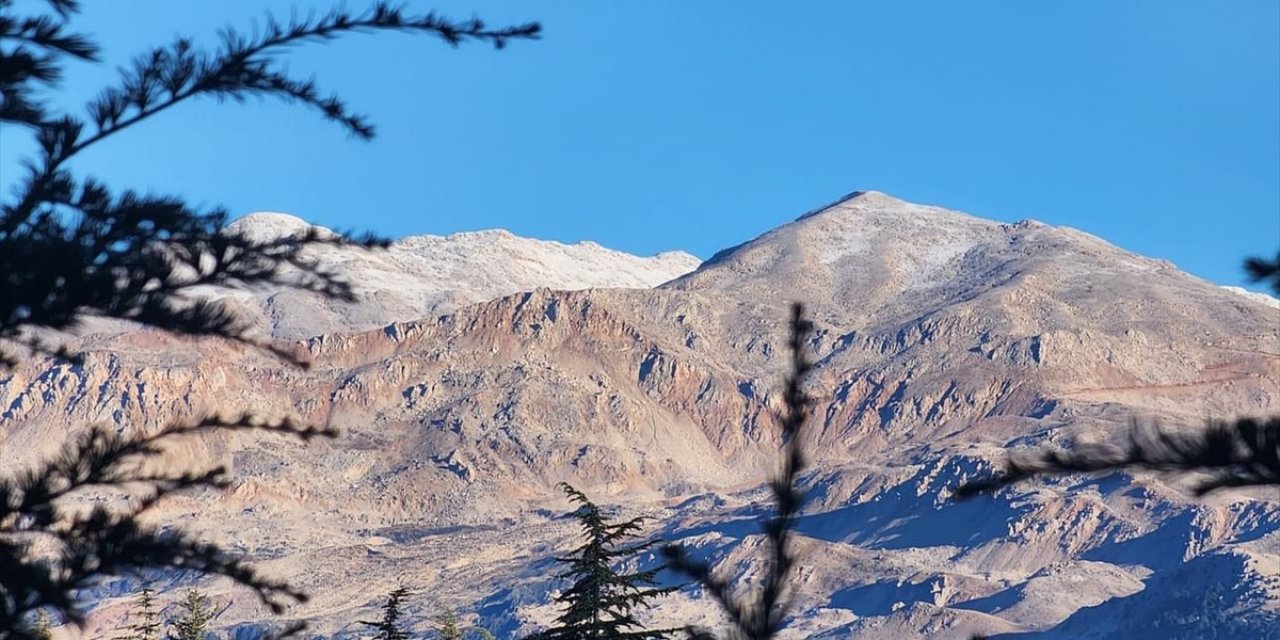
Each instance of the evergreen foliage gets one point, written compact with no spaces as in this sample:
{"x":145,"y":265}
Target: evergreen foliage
{"x":71,"y":247}
{"x":1240,"y":453}
{"x":77,"y":547}
{"x":449,"y":627}
{"x":1264,"y":271}
{"x":762,"y":613}
{"x":197,"y":613}
{"x":144,"y":618}
{"x":601,"y":601}
{"x":1236,"y":453}
{"x":388,"y":627}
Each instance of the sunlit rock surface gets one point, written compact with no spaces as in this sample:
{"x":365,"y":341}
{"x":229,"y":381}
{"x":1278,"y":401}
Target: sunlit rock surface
{"x":469,"y":382}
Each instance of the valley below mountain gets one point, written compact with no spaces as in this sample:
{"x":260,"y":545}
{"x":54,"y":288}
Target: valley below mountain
{"x":479,"y":370}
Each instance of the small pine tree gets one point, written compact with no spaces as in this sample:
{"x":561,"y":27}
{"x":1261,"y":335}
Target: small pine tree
{"x":144,"y":618}
{"x":600,"y":602}
{"x":389,"y":626}
{"x":197,"y":613}
{"x":449,"y":627}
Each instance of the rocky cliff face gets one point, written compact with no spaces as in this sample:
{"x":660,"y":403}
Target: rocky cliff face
{"x":941,"y":338}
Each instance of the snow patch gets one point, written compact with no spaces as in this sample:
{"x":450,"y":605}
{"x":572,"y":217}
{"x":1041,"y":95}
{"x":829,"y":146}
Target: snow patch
{"x":420,"y":276}
{"x":1256,"y":296}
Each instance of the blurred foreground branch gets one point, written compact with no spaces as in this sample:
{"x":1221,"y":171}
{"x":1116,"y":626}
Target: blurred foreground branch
{"x":1242,"y":453}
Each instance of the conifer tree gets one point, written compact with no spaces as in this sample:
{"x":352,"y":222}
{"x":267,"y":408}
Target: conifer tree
{"x":600,"y":602}
{"x":389,"y":626}
{"x":144,"y":618}
{"x":449,"y":627}
{"x":197,"y":613}
{"x":72,"y":246}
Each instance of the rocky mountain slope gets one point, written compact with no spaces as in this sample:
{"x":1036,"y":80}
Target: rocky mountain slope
{"x":941,"y":338}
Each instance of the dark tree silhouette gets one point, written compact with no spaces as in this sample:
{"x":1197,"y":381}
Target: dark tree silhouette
{"x":49,"y":549}
{"x":146,"y":618}
{"x":1239,"y":453}
{"x":600,"y":603}
{"x":1229,"y":454}
{"x":71,"y":247}
{"x":761,"y":615}
{"x":1265,"y":271}
{"x":388,"y":626}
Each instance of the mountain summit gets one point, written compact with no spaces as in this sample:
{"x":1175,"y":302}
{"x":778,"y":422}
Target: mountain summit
{"x":940,"y":339}
{"x":877,"y":250}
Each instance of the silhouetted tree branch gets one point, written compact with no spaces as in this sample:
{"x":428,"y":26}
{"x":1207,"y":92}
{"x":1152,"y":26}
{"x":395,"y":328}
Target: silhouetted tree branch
{"x":1231,"y":454}
{"x":49,"y":549}
{"x":71,"y":247}
{"x":761,"y":615}
{"x":1264,"y":271}
{"x":1242,"y":453}
{"x":388,"y":626}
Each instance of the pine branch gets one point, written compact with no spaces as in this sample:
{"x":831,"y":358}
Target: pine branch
{"x":34,"y":59}
{"x":64,"y":8}
{"x":762,"y":616}
{"x":243,"y":66}
{"x":1264,"y":271}
{"x":85,"y":546}
{"x":50,"y":33}
{"x":1232,"y":454}
{"x":135,"y":257}
{"x":69,"y":248}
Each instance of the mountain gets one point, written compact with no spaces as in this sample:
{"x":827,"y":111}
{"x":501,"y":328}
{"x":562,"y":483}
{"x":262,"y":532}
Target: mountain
{"x":424,"y":276}
{"x":940,"y":339}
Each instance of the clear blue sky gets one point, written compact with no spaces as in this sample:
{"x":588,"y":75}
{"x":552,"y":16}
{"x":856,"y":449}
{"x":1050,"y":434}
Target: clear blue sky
{"x":650,"y":125}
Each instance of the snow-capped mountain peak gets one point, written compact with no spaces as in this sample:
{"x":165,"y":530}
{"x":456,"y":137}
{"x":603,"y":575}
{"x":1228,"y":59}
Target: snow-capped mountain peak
{"x":425,"y":275}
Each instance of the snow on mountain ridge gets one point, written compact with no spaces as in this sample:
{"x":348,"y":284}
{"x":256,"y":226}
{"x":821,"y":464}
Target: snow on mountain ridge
{"x":424,"y":275}
{"x":881,"y":250}
{"x":866,"y":234}
{"x":1256,"y":296}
